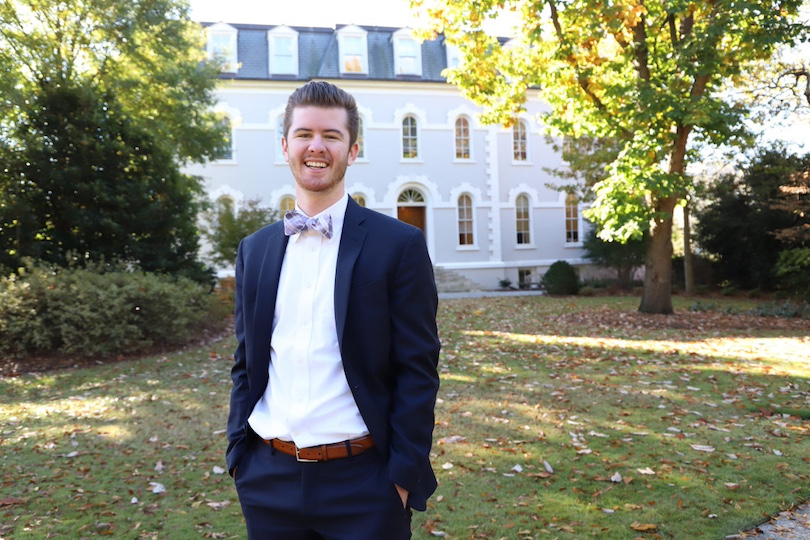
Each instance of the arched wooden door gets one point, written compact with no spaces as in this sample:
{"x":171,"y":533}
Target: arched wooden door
{"x":411,"y":208}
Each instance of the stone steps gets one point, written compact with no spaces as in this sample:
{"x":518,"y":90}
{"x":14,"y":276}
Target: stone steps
{"x":448,"y":281}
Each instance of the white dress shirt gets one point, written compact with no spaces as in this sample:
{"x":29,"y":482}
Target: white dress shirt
{"x":308,"y":400}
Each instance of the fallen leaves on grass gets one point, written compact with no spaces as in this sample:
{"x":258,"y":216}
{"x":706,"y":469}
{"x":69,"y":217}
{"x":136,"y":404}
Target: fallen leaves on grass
{"x":643,"y":527}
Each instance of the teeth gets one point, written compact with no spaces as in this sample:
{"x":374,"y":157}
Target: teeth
{"x":316,"y":164}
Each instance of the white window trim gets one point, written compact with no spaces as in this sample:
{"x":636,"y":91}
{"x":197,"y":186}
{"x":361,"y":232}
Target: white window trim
{"x":452,"y":53}
{"x":528,"y":160}
{"x":353,"y":31}
{"x":282,"y":32}
{"x":364,"y":124}
{"x":470,"y":159}
{"x":275,"y":118}
{"x":232,"y":125}
{"x":418,"y":158}
{"x":231,"y":64}
{"x":474,"y":245}
{"x":580,"y":224}
{"x":530,"y":244}
{"x":398,"y":39}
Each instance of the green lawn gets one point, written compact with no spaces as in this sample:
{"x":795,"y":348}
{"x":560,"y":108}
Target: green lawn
{"x":557,"y":418}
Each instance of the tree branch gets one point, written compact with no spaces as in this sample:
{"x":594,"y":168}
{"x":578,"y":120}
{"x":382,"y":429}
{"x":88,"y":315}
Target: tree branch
{"x":642,"y":52}
{"x":582,"y":80}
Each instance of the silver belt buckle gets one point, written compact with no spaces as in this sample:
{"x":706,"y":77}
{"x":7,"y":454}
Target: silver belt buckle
{"x":302,"y":460}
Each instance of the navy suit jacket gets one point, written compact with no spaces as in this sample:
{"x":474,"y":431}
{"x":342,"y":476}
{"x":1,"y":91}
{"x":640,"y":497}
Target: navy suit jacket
{"x":385,"y":310}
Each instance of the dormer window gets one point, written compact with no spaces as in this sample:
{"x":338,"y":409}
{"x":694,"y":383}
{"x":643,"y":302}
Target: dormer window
{"x":222,"y":46}
{"x":453,"y":55}
{"x":283,"y":51}
{"x":407,"y":53}
{"x":353,"y":49}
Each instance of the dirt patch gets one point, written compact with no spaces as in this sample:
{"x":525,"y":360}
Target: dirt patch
{"x":14,"y":367}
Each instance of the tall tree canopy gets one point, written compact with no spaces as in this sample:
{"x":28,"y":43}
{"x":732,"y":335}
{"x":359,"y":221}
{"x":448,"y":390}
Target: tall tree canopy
{"x":650,"y":75}
{"x":102,"y":102}
{"x":148,"y":53}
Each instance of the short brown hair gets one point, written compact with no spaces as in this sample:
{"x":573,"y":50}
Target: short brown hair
{"x":325,"y":95}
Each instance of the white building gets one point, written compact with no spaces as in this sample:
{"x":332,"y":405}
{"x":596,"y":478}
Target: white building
{"x":479,"y":192}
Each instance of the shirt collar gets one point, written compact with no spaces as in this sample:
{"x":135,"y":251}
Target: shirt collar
{"x":337,"y":211}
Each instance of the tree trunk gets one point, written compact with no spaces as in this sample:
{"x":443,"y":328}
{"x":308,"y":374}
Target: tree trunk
{"x":688,"y":267}
{"x":657,"y":297}
{"x":623,"y":273}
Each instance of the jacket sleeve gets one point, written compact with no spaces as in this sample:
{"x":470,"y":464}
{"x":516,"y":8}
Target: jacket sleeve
{"x":414,"y":353}
{"x":237,"y":417}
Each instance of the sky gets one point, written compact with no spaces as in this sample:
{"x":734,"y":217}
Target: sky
{"x":319,"y":13}
{"x":326,"y":13}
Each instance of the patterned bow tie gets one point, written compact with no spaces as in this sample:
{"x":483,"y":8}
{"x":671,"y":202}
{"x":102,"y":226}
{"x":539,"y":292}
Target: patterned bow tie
{"x":295,"y":222}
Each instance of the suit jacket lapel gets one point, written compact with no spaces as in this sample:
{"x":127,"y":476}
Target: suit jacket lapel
{"x":351,"y":242}
{"x":267,"y":287}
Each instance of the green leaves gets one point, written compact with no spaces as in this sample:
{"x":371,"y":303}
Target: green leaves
{"x":103,"y":101}
{"x":647,"y":75}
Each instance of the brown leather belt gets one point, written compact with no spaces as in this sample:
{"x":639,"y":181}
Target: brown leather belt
{"x":324,"y":452}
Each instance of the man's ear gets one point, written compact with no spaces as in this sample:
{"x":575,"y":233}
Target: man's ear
{"x":353,"y":151}
{"x":284,"y":149}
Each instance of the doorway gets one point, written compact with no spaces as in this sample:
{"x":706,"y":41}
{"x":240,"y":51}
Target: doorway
{"x":411,"y":208}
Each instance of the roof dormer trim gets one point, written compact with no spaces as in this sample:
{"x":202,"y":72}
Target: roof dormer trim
{"x":222,"y":42}
{"x":353,"y":50}
{"x":407,"y":53}
{"x":282,"y":51}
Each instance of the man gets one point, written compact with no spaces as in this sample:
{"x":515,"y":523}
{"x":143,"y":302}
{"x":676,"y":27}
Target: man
{"x":334,"y":379}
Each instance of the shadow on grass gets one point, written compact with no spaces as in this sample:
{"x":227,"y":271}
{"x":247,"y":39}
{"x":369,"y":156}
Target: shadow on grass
{"x":579,"y":418}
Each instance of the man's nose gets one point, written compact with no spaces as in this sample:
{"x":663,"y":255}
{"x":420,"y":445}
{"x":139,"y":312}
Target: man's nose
{"x":316,"y":144}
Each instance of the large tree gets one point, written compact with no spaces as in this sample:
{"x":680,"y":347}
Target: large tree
{"x":102,"y":103}
{"x":650,"y":75}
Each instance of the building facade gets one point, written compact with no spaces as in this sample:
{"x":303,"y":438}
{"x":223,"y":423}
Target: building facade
{"x":479,"y":192}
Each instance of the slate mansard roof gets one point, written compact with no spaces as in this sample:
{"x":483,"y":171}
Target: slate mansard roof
{"x":318,"y":55}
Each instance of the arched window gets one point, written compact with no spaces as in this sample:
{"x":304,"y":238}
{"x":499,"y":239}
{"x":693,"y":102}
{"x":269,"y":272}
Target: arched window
{"x":226,"y":205}
{"x":571,"y":219}
{"x":286,"y":204}
{"x":279,"y":136}
{"x":523,"y":220}
{"x":411,"y":208}
{"x":361,"y":138}
{"x":520,"y":144}
{"x":227,"y":151}
{"x":359,"y":199}
{"x":463,"y":138}
{"x":465,"y":221}
{"x":410,"y":139}
{"x":411,"y":196}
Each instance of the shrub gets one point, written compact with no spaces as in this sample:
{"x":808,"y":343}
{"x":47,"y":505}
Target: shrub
{"x":101,"y":312}
{"x":561,"y":279}
{"x":728,"y":291}
{"x":587,"y":291}
{"x":784,"y":310}
{"x":793,"y":269}
{"x":225,"y":225}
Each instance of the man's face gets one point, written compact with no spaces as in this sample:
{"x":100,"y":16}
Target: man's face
{"x":318,"y":150}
